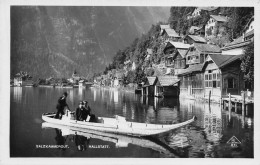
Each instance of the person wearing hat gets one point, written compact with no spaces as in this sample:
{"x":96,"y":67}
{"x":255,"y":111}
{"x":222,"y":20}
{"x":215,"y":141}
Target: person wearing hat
{"x":80,"y":112}
{"x":61,"y":105}
{"x":87,"y":108}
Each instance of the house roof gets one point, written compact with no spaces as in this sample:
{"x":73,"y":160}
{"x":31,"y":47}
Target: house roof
{"x":151,"y":80}
{"x":239,"y":42}
{"x":219,"y":18}
{"x":165,"y":26}
{"x":207,"y":48}
{"x":168,"y":80}
{"x":179,"y":45}
{"x":182,"y":52}
{"x":171,"y":33}
{"x":191,"y":68}
{"x":197,"y":38}
{"x":223,"y":60}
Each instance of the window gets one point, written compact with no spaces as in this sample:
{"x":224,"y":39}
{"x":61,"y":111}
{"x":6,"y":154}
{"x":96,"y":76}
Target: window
{"x":212,"y":79}
{"x":232,"y":83}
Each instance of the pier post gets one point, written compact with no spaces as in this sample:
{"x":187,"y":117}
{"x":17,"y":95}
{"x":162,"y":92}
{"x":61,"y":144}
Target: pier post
{"x":246,"y":109}
{"x":229,"y":106}
{"x":243,"y":104}
{"x":236,"y":107}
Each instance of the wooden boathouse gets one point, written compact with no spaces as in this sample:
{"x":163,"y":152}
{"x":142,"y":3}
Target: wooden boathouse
{"x":149,"y":86}
{"x":222,"y":75}
{"x":167,"y":86}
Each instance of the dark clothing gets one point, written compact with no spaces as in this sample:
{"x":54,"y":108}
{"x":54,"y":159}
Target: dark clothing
{"x":60,"y":107}
{"x":81,"y":114}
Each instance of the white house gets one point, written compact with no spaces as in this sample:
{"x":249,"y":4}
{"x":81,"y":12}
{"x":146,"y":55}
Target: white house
{"x":213,"y":22}
{"x":197,"y":11}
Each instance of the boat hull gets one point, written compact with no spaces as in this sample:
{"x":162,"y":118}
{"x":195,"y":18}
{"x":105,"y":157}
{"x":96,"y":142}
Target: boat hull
{"x":111,"y":125}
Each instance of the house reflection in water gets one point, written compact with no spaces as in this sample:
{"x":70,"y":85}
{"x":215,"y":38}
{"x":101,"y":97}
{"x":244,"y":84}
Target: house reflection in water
{"x":17,"y":94}
{"x":116,"y":96}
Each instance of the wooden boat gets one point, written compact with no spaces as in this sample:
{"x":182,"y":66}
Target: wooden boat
{"x":120,"y":141}
{"x":116,"y":125}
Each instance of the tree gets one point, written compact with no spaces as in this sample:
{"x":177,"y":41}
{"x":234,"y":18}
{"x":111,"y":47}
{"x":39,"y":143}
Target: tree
{"x":247,"y":65}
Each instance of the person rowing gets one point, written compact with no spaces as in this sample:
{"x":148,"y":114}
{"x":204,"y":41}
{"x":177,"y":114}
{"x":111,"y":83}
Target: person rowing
{"x":61,"y":106}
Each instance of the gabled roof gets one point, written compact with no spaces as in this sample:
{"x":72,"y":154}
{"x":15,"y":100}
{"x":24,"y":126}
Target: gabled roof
{"x":165,"y":26}
{"x":171,"y":33}
{"x":197,"y":38}
{"x":191,"y":68}
{"x":179,"y":45}
{"x":207,"y":48}
{"x":223,"y":60}
{"x":167,"y":80}
{"x":150,"y":80}
{"x":182,"y":52}
{"x":219,"y":18}
{"x":237,"y":43}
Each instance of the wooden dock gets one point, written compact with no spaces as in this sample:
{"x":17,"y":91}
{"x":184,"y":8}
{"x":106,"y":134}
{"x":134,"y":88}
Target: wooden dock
{"x":234,"y":101}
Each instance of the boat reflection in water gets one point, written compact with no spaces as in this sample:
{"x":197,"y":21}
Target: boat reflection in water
{"x":82,"y":139}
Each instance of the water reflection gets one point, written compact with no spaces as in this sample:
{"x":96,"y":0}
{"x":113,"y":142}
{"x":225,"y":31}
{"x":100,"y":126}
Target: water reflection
{"x":17,"y":94}
{"x":82,"y":139}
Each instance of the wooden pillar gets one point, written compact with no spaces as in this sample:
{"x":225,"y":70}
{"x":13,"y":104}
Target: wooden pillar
{"x":229,"y":106}
{"x":243,"y":104}
{"x":236,"y":107}
{"x":246,"y":109}
{"x":209,"y":96}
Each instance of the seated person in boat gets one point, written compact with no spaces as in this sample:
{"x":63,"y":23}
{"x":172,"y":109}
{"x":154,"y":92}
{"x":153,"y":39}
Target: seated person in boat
{"x":81,"y":113}
{"x":61,"y":105}
{"x":90,"y":117}
{"x":86,"y":107}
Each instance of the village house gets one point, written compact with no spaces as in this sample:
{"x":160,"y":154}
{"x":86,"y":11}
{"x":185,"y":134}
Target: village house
{"x":149,"y":86}
{"x":238,"y":45}
{"x":197,"y":30}
{"x":215,"y":25}
{"x":198,"y":11}
{"x":222,"y":75}
{"x":118,"y":78}
{"x":190,"y":39}
{"x":81,"y":83}
{"x":23,"y":79}
{"x":175,"y":55}
{"x":75,"y":77}
{"x":191,"y":81}
{"x":198,"y":52}
{"x":192,"y":77}
{"x":162,"y":27}
{"x":170,"y":34}
{"x":166,"y":86}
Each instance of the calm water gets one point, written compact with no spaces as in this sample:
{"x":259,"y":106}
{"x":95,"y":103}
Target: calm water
{"x":207,"y":137}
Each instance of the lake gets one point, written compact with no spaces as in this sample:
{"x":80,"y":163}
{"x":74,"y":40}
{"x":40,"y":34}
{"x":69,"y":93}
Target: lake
{"x":208,"y":137}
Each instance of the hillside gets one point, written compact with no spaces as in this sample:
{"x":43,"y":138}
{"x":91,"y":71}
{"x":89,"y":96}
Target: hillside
{"x":55,"y":41}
